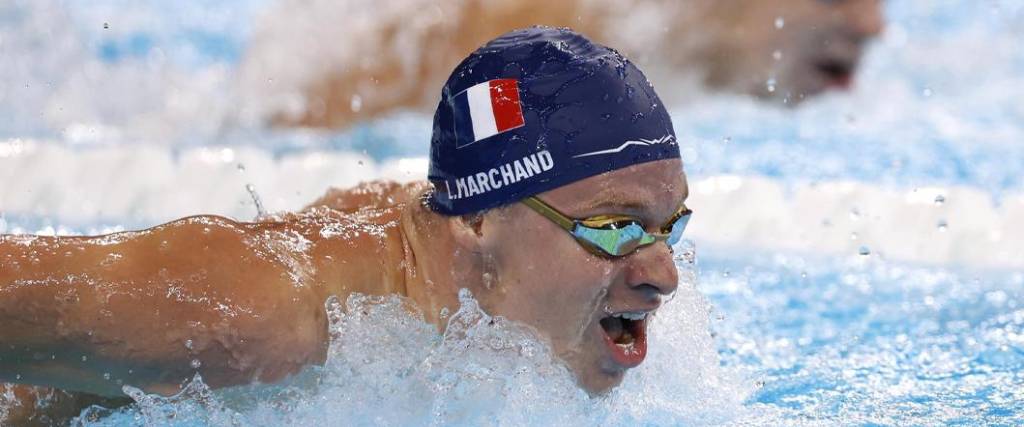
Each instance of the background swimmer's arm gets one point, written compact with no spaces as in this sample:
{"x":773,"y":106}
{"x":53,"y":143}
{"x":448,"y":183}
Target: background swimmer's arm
{"x":146,"y":308}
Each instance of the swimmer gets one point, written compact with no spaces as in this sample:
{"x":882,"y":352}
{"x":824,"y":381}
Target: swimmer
{"x":555,"y":194}
{"x":784,"y":51}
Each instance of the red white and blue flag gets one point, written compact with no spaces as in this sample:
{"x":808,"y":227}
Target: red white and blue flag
{"x":487,"y":109}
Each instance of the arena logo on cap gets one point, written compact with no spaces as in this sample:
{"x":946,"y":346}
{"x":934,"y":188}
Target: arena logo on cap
{"x":667,"y":139}
{"x":487,"y":109}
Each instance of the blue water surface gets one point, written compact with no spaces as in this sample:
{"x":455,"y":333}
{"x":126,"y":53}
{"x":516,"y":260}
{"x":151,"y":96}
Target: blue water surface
{"x":864,"y":341}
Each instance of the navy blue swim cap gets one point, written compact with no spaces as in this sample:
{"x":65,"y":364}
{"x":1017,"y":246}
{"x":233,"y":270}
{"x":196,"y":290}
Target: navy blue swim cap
{"x":536,"y":109}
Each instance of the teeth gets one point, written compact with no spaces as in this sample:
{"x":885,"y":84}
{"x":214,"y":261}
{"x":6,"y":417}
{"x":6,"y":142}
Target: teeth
{"x":639,"y":315}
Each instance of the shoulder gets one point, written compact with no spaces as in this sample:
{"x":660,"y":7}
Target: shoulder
{"x":370,"y":195}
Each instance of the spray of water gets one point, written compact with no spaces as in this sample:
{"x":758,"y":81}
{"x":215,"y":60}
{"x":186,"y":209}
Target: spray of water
{"x":482,"y":370}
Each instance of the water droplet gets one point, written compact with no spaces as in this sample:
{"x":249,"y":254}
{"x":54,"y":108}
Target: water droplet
{"x":727,"y":140}
{"x":854,"y":214}
{"x":106,"y":26}
{"x":106,"y":376}
{"x":188,"y":344}
{"x":777,"y":55}
{"x":854,"y":236}
{"x":360,"y":162}
{"x":356,"y":103}
{"x":17,"y":377}
{"x":240,"y":167}
{"x":864,"y":251}
{"x":770,"y":84}
{"x":927,"y":92}
{"x":255,"y":200}
{"x":943,"y":226}
{"x":779,"y":23}
{"x":939,"y":200}
{"x":195,"y":364}
{"x":85,"y":359}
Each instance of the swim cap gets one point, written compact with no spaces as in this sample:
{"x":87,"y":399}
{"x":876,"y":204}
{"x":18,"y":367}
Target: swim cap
{"x":536,"y":109}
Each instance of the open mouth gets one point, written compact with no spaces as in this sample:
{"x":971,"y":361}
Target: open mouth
{"x":838,"y":73}
{"x":625,"y":335}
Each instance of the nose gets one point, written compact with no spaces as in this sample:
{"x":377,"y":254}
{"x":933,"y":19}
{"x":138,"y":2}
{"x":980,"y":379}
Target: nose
{"x":864,"y":18}
{"x":651,"y":270}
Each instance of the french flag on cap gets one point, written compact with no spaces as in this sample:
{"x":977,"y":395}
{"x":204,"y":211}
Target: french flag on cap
{"x":487,"y":109}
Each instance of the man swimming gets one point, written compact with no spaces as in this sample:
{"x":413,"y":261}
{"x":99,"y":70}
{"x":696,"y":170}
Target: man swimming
{"x":556,"y":193}
{"x":784,"y":51}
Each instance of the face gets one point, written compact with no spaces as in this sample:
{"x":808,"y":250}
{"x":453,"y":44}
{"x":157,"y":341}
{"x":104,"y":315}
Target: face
{"x":789,"y":50}
{"x":594,"y":310}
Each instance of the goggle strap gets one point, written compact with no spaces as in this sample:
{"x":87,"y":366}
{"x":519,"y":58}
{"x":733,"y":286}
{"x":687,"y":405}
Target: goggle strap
{"x":550,"y":213}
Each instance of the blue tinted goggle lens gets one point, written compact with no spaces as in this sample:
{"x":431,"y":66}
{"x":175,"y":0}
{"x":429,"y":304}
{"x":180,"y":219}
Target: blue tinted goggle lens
{"x":618,"y":241}
{"x":676,"y":232}
{"x":622,"y":238}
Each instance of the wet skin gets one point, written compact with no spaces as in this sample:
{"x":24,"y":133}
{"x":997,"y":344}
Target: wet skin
{"x":246,"y":299}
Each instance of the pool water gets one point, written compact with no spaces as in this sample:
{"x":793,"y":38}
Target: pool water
{"x":856,"y":341}
{"x":866,"y":321}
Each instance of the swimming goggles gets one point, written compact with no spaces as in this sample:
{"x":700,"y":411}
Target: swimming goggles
{"x":613,"y":235}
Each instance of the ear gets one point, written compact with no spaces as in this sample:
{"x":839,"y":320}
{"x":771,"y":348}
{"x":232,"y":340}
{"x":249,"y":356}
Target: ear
{"x":467,"y":232}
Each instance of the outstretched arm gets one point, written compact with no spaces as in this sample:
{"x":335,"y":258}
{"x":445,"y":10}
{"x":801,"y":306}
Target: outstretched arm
{"x":235,"y":302}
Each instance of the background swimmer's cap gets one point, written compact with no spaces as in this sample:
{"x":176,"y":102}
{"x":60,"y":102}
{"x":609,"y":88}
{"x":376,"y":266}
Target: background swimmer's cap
{"x":536,"y":109}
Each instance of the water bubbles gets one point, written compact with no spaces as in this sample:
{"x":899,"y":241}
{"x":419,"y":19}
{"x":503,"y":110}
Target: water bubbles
{"x":770,"y":85}
{"x":927,"y":92}
{"x":864,"y":251}
{"x":854,"y":236}
{"x":726,"y":140}
{"x":777,"y":55}
{"x":779,"y":23}
{"x":240,"y":167}
{"x":106,"y":376}
{"x":854,"y":214}
{"x":195,"y":364}
{"x":85,"y":358}
{"x":106,"y":26}
{"x":942,"y":226}
{"x":188,"y":344}
{"x":939,"y":200}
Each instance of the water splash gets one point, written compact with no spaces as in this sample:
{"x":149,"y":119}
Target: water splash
{"x":482,"y":370}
